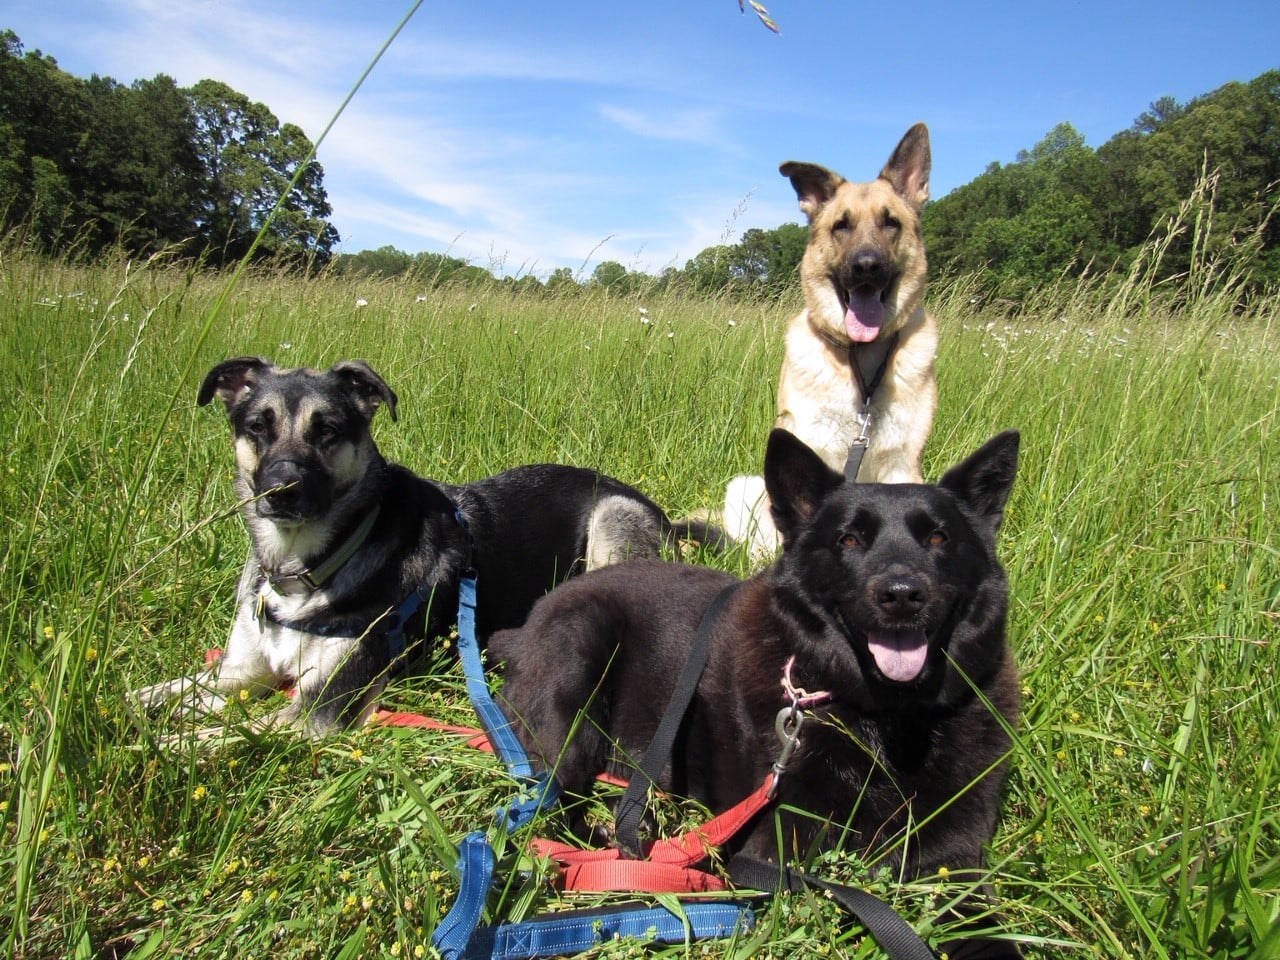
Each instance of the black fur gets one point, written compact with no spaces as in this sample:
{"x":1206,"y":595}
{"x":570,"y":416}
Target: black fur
{"x":310,"y":473}
{"x":905,"y":739}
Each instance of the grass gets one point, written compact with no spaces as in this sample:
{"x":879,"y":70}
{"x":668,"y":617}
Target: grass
{"x":1141,"y":546}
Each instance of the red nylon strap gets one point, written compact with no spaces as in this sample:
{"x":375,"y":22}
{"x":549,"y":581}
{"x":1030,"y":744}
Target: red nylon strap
{"x":668,"y":867}
{"x":475,"y":736}
{"x":394,"y":718}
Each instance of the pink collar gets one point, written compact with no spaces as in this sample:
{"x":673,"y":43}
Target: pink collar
{"x":799,"y":698}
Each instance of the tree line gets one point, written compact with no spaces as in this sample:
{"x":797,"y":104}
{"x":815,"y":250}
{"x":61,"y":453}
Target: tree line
{"x":1198,"y":181}
{"x":91,"y":165}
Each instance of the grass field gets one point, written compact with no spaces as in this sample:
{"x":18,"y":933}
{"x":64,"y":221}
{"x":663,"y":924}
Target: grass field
{"x":1141,"y":544}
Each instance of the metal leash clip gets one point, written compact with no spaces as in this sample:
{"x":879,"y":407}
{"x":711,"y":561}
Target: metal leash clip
{"x":788,"y":723}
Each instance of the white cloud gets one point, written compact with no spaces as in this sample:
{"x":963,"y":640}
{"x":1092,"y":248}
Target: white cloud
{"x":694,"y":126}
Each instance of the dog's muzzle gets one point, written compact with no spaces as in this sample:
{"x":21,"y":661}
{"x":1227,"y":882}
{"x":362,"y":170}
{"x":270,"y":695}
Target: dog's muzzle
{"x":287,"y":489}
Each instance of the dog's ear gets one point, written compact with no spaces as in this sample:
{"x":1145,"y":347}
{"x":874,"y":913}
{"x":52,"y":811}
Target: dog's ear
{"x":367,"y":388}
{"x":984,"y":480}
{"x":814,"y":185}
{"x":908,"y":169}
{"x":232,"y":380}
{"x":797,"y":481}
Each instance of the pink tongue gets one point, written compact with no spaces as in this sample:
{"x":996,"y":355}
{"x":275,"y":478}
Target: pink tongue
{"x":865,"y":314}
{"x":900,"y":655}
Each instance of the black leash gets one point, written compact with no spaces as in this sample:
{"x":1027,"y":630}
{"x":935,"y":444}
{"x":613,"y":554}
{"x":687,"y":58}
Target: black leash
{"x":635,"y":800}
{"x":868,"y":389}
{"x":893,"y":933}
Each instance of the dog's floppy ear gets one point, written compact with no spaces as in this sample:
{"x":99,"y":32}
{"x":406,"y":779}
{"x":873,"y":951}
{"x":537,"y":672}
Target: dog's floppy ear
{"x":984,"y":480}
{"x":814,"y":185}
{"x":367,"y":388}
{"x":908,"y":169}
{"x":232,"y":380}
{"x":797,"y":482}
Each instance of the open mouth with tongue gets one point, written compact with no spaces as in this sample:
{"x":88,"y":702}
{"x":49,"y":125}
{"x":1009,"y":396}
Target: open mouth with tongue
{"x":864,"y":310}
{"x":899,"y":654}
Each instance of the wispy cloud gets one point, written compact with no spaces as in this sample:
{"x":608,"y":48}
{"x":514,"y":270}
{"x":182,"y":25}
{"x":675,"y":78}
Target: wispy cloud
{"x":693,"y":126}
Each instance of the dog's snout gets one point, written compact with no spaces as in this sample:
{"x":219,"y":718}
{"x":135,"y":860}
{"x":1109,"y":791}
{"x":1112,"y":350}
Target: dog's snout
{"x":901,"y":596}
{"x":868,"y":265}
{"x":280,"y":477}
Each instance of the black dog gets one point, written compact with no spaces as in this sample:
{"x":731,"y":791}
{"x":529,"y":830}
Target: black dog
{"x":340,"y":537}
{"x":889,"y":598}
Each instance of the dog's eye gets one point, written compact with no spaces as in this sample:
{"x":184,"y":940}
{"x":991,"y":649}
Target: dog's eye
{"x":324,"y":432}
{"x":891,"y":222}
{"x":843,"y":225}
{"x":259,"y":426}
{"x":850,"y":541}
{"x":936,"y":539}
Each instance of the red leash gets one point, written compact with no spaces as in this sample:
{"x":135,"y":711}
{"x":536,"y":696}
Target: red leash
{"x":668,"y":866}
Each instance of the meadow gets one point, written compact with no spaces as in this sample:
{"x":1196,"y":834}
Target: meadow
{"x":1141,"y":546}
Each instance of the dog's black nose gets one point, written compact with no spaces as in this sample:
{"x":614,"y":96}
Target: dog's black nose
{"x":901,"y":597}
{"x":868,"y":267}
{"x":281,"y":480}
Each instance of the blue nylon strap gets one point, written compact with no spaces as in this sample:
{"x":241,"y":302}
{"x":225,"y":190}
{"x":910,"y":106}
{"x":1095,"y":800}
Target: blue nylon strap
{"x":540,"y":793}
{"x":475,"y":874}
{"x":407,"y":608}
{"x":495,"y":722}
{"x":561,"y":934}
{"x":541,"y":790}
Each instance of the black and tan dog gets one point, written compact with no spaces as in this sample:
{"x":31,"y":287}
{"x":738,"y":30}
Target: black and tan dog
{"x":863,"y":275}
{"x":340,"y":537}
{"x":887,"y":599}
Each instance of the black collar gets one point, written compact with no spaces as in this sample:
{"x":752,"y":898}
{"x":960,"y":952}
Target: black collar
{"x":313,"y":578}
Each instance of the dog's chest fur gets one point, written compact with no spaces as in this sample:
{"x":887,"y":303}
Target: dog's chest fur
{"x":820,"y":401}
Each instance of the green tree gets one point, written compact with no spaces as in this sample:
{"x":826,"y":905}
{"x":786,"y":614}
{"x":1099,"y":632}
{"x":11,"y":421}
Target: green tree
{"x":248,"y":161}
{"x":561,"y":279}
{"x":138,"y":168}
{"x":42,"y":115}
{"x":768,"y":261}
{"x":711,"y":270}
{"x":612,"y":276}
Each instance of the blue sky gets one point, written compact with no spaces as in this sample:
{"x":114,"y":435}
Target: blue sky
{"x":529,"y":136}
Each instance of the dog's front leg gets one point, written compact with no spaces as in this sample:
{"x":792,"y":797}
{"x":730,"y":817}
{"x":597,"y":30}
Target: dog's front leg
{"x":339,"y":683}
{"x":243,"y":667}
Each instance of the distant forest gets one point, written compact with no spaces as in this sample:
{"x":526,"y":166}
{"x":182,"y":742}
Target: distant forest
{"x":90,"y":166}
{"x":93,"y":165}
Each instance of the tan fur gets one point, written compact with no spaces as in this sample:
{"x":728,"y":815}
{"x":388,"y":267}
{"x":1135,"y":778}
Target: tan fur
{"x":819,"y":399}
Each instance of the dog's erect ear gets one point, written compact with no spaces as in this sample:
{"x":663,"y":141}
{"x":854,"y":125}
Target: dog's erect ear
{"x":232,"y":380}
{"x":797,"y":482}
{"x":367,"y":388}
{"x":908,"y":168}
{"x":814,"y":185}
{"x":984,"y":480}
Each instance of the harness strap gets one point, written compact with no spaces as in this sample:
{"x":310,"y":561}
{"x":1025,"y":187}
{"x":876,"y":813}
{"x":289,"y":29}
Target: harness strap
{"x":634,"y":802}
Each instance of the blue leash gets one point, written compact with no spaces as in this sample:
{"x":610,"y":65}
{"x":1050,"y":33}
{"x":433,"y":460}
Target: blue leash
{"x":459,"y":936}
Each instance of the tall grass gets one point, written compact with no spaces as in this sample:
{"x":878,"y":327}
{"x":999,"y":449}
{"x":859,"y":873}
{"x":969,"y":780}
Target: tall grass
{"x":1141,"y":546}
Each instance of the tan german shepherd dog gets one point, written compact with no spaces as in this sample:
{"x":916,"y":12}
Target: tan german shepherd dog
{"x":859,"y":364}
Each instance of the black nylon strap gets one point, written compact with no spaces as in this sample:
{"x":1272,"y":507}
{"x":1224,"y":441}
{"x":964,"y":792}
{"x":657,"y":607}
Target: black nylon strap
{"x":635,"y":800}
{"x":859,"y":448}
{"x":869,"y":387}
{"x":894,"y":934}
